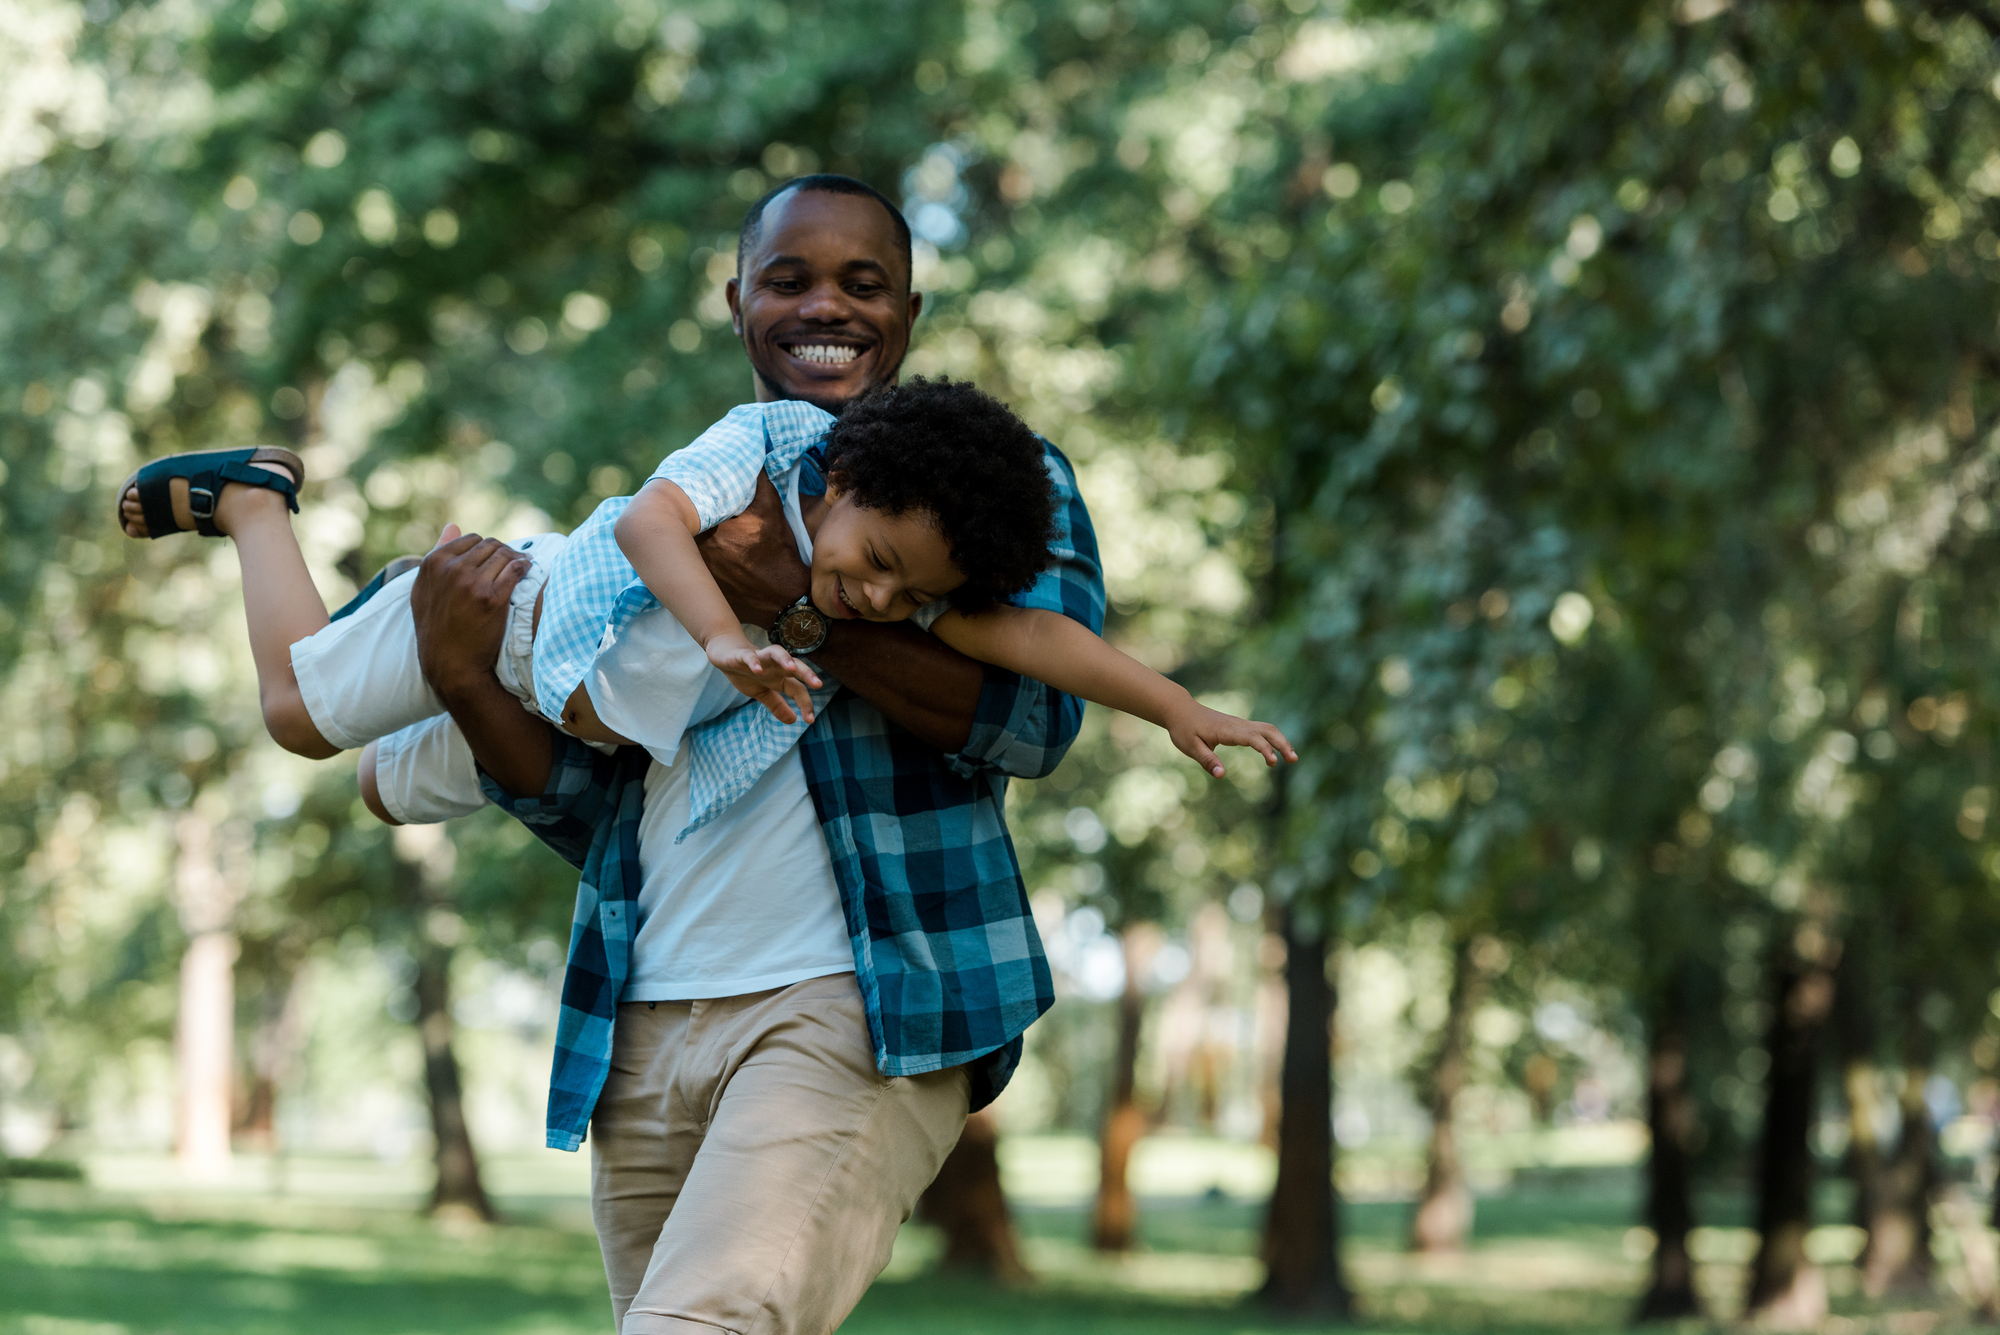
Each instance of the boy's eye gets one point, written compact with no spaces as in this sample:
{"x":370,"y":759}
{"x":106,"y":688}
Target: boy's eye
{"x":875,"y":560}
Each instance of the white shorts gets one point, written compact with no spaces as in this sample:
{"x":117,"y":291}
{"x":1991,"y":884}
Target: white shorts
{"x":425,"y":774}
{"x":360,"y":678}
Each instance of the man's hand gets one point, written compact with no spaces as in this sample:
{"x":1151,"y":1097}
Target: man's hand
{"x":755,"y":560}
{"x":459,"y":603}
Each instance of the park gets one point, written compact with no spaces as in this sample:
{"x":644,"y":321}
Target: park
{"x":1576,"y":425}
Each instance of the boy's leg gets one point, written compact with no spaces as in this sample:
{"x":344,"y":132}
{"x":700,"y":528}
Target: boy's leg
{"x":280,"y":601}
{"x":810,"y":1161}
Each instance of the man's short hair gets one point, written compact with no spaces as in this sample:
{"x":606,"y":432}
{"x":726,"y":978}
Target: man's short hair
{"x":823,"y":183}
{"x":945,"y":450}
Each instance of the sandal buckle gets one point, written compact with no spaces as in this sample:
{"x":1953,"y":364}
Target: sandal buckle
{"x":195,"y":504}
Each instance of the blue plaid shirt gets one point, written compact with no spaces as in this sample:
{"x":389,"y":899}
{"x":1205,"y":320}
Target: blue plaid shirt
{"x":945,"y":950}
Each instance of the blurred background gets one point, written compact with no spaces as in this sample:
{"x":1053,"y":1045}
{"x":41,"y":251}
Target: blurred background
{"x":1572,"y":420}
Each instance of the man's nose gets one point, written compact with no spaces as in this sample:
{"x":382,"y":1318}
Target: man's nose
{"x":826,"y":302}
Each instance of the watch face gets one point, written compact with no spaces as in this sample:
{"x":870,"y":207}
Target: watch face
{"x":801,"y":629}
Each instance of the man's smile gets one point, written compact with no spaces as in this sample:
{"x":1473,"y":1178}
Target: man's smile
{"x":823,"y":354}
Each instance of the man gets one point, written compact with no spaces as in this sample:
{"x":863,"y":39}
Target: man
{"x":764,"y":1116}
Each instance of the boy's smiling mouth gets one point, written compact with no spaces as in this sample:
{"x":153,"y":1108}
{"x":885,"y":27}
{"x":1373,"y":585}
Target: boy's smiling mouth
{"x":840,"y":591}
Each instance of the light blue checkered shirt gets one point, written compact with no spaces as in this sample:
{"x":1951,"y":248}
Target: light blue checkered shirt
{"x":593,"y":592}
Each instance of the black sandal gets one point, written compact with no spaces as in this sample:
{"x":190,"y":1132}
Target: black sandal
{"x":207,"y":472}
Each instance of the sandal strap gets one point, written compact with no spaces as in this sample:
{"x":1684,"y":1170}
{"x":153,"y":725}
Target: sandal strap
{"x":205,"y":486}
{"x":157,"y":504}
{"x":241,"y":470}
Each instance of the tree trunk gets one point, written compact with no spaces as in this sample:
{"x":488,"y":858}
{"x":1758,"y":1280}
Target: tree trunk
{"x":427,"y":857}
{"x":1670,"y":1117}
{"x":1302,"y":1231}
{"x":1117,"y":1213}
{"x":1854,"y":1030}
{"x":1444,"y":1211}
{"x":459,"y":1190}
{"x":968,"y":1203}
{"x":205,"y":1024}
{"x":1787,"y":1291}
{"x":1898,"y":1255}
{"x":274,"y":1054}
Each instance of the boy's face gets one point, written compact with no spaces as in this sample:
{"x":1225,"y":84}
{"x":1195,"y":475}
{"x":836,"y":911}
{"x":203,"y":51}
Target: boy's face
{"x":878,"y":566}
{"x":823,"y":304}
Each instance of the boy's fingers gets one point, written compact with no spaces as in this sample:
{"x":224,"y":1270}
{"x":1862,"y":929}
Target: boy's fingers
{"x":450,"y":531}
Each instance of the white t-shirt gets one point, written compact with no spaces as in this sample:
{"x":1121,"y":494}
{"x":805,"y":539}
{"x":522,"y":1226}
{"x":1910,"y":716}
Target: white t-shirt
{"x":744,"y":904}
{"x":747,"y":902}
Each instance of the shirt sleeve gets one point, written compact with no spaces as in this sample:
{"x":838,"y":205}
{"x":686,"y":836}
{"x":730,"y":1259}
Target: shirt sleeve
{"x":1022,"y":728}
{"x":582,"y":792}
{"x":718,"y":469}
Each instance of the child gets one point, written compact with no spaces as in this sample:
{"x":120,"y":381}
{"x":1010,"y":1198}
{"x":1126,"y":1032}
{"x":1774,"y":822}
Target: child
{"x":937,"y":505}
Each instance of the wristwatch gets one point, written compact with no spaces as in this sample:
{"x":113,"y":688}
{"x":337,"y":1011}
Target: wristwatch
{"x":801,"y":627}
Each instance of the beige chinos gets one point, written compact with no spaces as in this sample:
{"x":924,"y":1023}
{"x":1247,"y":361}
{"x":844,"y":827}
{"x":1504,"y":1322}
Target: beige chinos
{"x":750,"y":1166}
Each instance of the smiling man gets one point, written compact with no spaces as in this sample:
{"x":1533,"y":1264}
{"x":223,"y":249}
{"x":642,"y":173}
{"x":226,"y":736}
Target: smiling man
{"x":820,"y":301}
{"x":774,"y":1028}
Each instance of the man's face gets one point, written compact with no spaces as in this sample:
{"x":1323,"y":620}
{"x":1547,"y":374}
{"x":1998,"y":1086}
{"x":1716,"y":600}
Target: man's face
{"x":823,"y":304}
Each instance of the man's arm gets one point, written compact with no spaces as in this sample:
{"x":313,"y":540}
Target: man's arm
{"x":459,"y":603}
{"x":915,"y":679}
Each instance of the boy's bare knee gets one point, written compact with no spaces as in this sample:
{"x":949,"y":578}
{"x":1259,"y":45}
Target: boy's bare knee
{"x":371,"y":792}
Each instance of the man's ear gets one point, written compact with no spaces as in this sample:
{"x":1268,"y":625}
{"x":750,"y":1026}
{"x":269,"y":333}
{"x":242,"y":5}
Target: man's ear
{"x":734,"y":296}
{"x":916,"y":306}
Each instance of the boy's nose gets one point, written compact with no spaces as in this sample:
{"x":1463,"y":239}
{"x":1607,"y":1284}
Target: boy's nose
{"x":879,"y":596}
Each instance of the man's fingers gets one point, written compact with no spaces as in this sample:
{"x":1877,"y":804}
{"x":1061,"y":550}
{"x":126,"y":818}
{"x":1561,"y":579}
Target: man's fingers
{"x":497,"y":566}
{"x":454,"y":546}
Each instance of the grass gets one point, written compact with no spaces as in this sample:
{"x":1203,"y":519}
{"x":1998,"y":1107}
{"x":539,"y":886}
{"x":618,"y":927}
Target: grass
{"x":342,"y":1253}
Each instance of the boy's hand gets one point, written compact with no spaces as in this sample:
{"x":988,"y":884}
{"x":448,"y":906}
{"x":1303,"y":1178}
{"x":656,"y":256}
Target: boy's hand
{"x":768,"y":675}
{"x":1197,"y":730}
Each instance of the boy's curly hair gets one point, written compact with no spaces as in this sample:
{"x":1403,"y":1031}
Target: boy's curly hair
{"x":944,"y":449}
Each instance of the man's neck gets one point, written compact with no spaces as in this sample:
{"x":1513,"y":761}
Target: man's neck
{"x":812,"y":510}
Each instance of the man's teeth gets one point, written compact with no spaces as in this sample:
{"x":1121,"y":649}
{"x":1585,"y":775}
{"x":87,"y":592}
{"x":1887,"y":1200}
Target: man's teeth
{"x":827,"y":354}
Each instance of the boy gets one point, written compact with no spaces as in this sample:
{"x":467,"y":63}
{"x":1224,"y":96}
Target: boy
{"x":937,"y":506}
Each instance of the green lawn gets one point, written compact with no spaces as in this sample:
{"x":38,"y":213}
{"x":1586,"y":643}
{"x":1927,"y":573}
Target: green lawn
{"x":149,"y":1260}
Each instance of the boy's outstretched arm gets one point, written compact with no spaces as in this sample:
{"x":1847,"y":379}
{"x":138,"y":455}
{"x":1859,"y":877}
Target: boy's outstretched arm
{"x":657,"y":535}
{"x":1052,"y":648}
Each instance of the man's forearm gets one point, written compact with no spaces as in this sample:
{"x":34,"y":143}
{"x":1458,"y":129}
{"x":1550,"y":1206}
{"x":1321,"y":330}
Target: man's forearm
{"x":510,"y":744}
{"x":913,"y":678}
